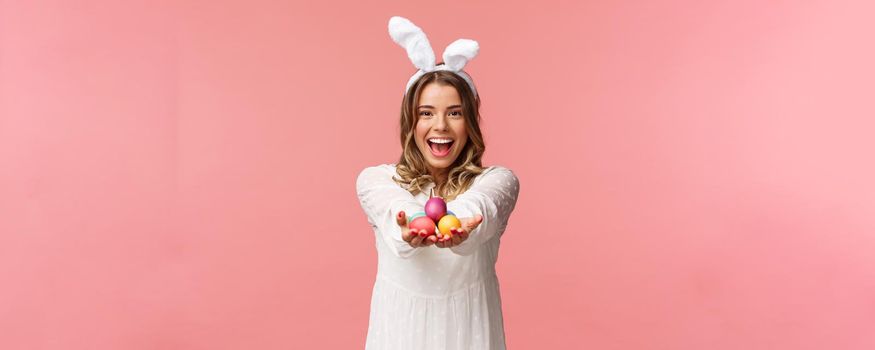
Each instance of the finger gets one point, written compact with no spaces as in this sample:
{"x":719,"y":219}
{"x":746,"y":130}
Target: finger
{"x":447,"y":240}
{"x":456,"y":239}
{"x":406,"y":234}
{"x":416,"y":242}
{"x":440,"y":243}
{"x":471,"y":225}
{"x":429,"y":240}
{"x":423,"y":233}
{"x":401,"y":218}
{"x":463,"y":234}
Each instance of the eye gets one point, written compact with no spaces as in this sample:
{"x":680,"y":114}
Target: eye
{"x":425,"y":113}
{"x":456,"y":113}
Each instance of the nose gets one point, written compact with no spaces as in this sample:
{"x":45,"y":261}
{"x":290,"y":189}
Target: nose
{"x":441,"y":123}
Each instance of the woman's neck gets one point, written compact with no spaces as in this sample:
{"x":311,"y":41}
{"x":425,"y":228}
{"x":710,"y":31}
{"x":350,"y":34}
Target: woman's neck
{"x":440,"y":177}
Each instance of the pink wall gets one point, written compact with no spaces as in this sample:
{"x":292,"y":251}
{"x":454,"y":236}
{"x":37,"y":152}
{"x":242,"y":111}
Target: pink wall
{"x":695,"y":175}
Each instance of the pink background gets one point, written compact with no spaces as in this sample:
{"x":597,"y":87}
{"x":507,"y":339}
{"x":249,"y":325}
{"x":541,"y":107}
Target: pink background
{"x":181,"y":175}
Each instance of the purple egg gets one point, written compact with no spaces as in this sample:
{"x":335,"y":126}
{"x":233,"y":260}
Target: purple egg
{"x":436,"y":208}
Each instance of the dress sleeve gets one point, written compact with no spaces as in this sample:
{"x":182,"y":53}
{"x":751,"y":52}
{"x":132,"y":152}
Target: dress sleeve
{"x":382,"y":199}
{"x":493,"y":196}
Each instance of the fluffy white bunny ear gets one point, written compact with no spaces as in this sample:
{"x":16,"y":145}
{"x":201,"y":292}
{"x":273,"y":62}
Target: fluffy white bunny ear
{"x":413,"y":39}
{"x":457,"y":54}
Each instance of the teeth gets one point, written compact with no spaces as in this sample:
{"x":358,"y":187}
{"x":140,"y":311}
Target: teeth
{"x":441,"y":140}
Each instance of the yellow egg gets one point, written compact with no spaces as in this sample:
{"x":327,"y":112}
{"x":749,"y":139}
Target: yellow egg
{"x":448,"y":223}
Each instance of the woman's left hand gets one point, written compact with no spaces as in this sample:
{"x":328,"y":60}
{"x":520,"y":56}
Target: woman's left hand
{"x":460,"y":234}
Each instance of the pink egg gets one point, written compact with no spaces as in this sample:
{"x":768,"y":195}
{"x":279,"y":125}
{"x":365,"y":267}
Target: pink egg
{"x":435,"y":208}
{"x":423,"y":223}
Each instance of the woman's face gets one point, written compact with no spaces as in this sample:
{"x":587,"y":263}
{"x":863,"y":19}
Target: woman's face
{"x":440,"y":119}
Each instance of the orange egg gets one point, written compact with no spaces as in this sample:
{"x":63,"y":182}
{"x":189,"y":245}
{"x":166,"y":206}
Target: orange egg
{"x":448,"y":223}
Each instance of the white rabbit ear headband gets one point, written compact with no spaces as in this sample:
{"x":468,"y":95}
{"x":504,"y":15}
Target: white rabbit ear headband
{"x":413,"y":39}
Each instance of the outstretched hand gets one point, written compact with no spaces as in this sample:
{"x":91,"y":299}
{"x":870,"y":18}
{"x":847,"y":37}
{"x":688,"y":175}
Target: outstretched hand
{"x":460,"y":234}
{"x":415,"y":239}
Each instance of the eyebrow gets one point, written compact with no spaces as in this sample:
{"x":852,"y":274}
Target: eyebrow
{"x":430,"y":106}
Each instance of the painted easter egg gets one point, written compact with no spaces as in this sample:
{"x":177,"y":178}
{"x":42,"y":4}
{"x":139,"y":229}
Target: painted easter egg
{"x":436,"y":208}
{"x":448,"y":223}
{"x":422,"y":223}
{"x":415,"y":215}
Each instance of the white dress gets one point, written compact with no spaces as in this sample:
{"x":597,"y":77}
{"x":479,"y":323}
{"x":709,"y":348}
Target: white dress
{"x":429,"y":297}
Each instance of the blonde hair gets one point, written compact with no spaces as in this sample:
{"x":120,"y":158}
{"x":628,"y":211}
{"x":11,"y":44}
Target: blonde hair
{"x":411,"y":167}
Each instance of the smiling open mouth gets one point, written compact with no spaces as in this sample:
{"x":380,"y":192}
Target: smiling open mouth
{"x":439,"y":149}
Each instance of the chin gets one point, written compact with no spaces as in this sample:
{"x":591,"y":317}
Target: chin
{"x":442,"y":164}
{"x":438,"y":164}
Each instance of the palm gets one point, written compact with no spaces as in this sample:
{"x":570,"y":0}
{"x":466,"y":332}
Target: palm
{"x":415,"y":239}
{"x":461,"y":234}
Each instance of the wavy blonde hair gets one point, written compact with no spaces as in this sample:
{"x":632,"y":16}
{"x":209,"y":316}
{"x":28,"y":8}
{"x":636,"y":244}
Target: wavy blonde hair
{"x":411,"y":168}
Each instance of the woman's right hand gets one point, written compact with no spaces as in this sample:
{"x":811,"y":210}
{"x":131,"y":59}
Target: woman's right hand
{"x":415,"y":239}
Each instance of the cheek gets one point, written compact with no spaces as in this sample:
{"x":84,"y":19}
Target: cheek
{"x":419,"y":134}
{"x":461,"y":132}
{"x":421,"y":129}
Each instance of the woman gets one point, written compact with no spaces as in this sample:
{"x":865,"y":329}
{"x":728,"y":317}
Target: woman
{"x":431,"y":292}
